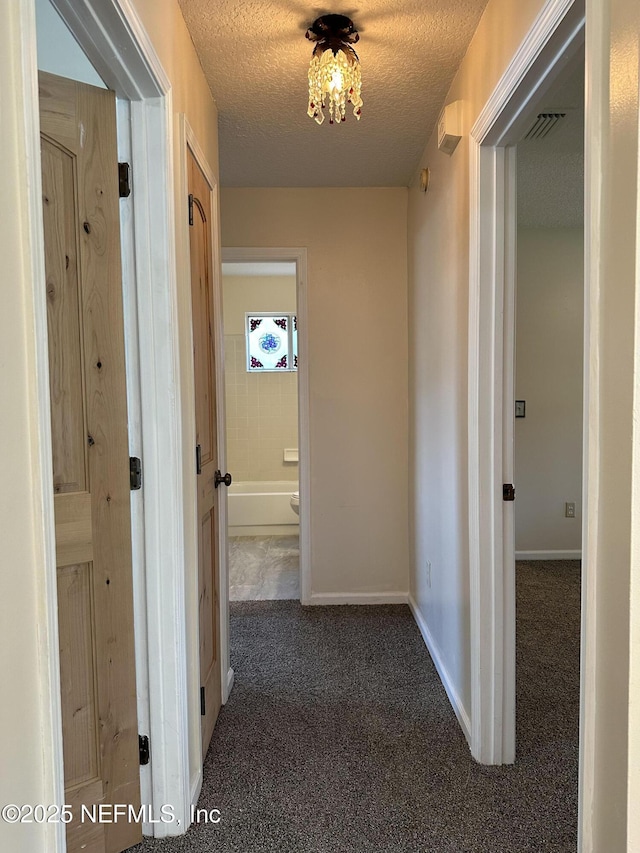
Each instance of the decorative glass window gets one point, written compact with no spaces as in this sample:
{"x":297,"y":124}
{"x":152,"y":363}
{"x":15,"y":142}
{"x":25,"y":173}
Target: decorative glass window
{"x":294,"y":341}
{"x":272,"y":342}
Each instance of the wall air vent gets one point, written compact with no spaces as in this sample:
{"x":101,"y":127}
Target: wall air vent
{"x":544,"y":124}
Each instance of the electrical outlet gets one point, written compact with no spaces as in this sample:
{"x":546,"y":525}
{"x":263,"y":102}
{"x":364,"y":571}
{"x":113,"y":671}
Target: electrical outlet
{"x":570,"y":509}
{"x":429,"y":573}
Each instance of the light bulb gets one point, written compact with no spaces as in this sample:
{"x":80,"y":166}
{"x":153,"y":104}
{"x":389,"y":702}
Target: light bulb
{"x":336,"y":81}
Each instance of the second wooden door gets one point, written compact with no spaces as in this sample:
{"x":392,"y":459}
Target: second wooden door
{"x":206,"y":457}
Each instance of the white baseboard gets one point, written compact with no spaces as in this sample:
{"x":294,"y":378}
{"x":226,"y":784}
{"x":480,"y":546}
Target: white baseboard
{"x":452,"y":693}
{"x":549,"y":555}
{"x":228,"y":686}
{"x":358,"y":598}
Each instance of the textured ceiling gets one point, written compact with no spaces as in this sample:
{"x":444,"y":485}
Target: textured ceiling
{"x":256,"y":58}
{"x":551,"y":170}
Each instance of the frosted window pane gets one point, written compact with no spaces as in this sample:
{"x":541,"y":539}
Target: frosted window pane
{"x":268,"y":342}
{"x":294,"y":341}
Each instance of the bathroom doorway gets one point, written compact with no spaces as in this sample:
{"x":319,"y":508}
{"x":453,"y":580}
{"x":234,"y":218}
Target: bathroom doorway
{"x":265,"y":403}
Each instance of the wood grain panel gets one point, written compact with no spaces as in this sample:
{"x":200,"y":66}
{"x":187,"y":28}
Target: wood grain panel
{"x":63,"y":319}
{"x":200,"y":251}
{"x":106,"y":413}
{"x":85,"y":835}
{"x":58,"y":111}
{"x":78,"y":676}
{"x":209,"y":630}
{"x":74,"y":529}
{"x":208,"y":615}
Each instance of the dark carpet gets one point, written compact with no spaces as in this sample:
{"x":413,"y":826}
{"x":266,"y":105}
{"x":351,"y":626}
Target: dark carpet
{"x":339,"y":738}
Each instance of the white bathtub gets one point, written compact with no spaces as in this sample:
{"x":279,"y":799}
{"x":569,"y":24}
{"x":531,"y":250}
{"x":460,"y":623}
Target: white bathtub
{"x":262,"y":508}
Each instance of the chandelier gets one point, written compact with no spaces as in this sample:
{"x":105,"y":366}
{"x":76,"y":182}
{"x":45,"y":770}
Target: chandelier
{"x":334,"y":72}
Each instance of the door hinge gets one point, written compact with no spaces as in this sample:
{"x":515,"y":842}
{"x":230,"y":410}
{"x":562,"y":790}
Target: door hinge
{"x":135,"y":473}
{"x":143,"y":744}
{"x":124,"y":180}
{"x":190,"y":208}
{"x":198,"y":459}
{"x":203,"y":705}
{"x":508,"y":492}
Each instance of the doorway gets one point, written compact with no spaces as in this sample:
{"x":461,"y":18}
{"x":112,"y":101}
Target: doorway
{"x":548,"y":440}
{"x":266,"y":377}
{"x":261,"y":381}
{"x":549,"y":322}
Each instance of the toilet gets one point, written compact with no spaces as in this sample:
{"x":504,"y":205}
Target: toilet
{"x":295,"y":502}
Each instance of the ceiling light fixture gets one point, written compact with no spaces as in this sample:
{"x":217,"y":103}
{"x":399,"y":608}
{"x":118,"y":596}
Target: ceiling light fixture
{"x":334,"y":72}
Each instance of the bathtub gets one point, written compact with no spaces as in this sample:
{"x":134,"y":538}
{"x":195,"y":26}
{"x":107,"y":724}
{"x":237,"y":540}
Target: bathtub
{"x":262,"y":508}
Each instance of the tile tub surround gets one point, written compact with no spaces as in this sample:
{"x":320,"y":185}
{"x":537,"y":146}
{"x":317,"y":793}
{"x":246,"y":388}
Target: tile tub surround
{"x":264,"y":568}
{"x":262,"y":408}
{"x":262,"y":418}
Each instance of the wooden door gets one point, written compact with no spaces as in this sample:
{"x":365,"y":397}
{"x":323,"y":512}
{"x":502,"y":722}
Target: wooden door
{"x":200,"y":198}
{"x":90,"y":460}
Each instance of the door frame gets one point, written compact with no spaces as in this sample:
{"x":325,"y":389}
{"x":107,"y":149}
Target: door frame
{"x":554,"y":39}
{"x":299,"y":255}
{"x":29,"y":234}
{"x":114,"y":40}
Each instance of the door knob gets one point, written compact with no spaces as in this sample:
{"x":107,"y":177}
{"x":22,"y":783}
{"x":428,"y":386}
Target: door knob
{"x":218,"y":478}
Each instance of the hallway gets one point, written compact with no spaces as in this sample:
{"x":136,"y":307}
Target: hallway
{"x":338,"y":735}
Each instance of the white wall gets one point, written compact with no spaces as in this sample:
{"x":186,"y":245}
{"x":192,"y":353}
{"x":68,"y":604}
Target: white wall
{"x":243,"y":293}
{"x":549,"y":353}
{"x":438,"y":250}
{"x":356,"y":244}
{"x":262,"y":408}
{"x":58,"y":51}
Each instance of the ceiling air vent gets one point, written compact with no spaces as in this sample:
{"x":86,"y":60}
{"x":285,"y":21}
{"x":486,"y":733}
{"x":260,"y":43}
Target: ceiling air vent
{"x":544,"y":124}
